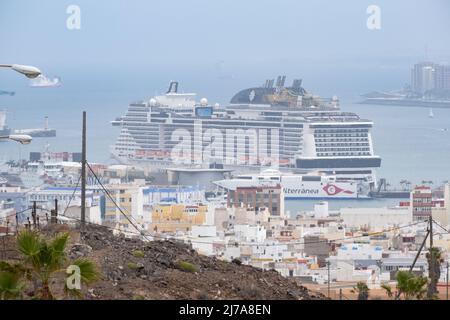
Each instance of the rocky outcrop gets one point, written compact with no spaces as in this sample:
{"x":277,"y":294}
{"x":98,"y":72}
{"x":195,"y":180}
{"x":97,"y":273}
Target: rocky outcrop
{"x":134,"y":269}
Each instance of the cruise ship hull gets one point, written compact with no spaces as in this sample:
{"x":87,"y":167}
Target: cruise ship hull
{"x":298,"y":187}
{"x":319,"y":191}
{"x":295,"y":132}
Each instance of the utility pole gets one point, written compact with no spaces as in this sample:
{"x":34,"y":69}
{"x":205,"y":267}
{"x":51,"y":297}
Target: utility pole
{"x":56,"y":210}
{"x":431,"y":267}
{"x":33,"y":214}
{"x":397,"y":296}
{"x":54,"y":213}
{"x":329,"y":278}
{"x":17,"y":222}
{"x":83,"y":173}
{"x":446,"y":287}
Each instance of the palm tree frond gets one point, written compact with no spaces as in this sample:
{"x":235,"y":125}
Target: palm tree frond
{"x":11,"y":285}
{"x":410,"y":285}
{"x":58,"y":244}
{"x":5,"y":266}
{"x":16,"y":268}
{"x":48,"y":260}
{"x":42,"y":259}
{"x":29,"y":243}
{"x":388,"y":289}
{"x":57,"y":247}
{"x":362,"y":290}
{"x":88,"y":270}
{"x":75,"y":293}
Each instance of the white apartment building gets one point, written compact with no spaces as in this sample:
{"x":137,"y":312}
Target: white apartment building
{"x":356,"y":262}
{"x":204,"y":239}
{"x":375,"y":219}
{"x":46,"y":197}
{"x":250,"y":233}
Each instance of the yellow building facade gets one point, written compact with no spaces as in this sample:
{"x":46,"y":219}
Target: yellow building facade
{"x":177,"y":217}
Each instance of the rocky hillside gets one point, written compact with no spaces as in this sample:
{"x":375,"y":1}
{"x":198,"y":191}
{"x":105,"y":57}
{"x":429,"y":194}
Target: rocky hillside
{"x":134,"y":269}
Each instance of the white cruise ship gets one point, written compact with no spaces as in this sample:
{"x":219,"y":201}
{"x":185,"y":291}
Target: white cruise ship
{"x":271,"y":126}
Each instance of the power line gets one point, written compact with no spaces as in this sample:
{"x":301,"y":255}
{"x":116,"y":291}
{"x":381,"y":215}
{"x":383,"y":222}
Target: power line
{"x":308,"y":242}
{"x":106,"y":190}
{"x":30,"y":190}
{"x":14,"y":214}
{"x":108,"y":193}
{"x":142,"y":232}
{"x":440,"y":226}
{"x":115,"y":204}
{"x":249,"y":244}
{"x":25,"y":193}
{"x":73,"y":194}
{"x":98,"y":225}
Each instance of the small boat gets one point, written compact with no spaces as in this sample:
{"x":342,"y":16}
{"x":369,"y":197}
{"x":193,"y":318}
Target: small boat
{"x":10,"y":93}
{"x":45,"y":132}
{"x":431,"y":115}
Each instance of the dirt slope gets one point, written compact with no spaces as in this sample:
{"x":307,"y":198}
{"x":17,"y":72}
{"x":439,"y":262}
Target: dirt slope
{"x":134,"y":269}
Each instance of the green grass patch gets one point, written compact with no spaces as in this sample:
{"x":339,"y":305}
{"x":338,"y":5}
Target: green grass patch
{"x":188,"y":267}
{"x":138,"y":253}
{"x":132,"y":265}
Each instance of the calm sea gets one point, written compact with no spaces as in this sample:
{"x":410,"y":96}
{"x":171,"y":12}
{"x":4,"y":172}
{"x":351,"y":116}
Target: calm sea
{"x":412,"y":145}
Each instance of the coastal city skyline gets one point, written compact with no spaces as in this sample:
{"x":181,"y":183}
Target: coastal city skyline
{"x":100,"y":142}
{"x":198,"y":150}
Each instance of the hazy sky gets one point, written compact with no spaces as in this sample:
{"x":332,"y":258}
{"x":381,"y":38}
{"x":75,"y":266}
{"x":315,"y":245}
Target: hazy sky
{"x":129,"y":50}
{"x":204,"y":31}
{"x":251,"y":39}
